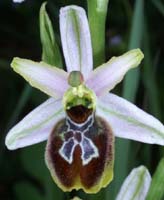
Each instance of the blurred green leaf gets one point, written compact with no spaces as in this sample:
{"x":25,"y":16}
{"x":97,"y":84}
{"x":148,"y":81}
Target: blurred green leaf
{"x":149,"y":79}
{"x":4,"y":64}
{"x":34,"y":163}
{"x":132,"y":78}
{"x":26,"y":191}
{"x":130,"y":86}
{"x":24,"y":97}
{"x":50,"y":50}
{"x":156,"y":191}
{"x":159,"y":5}
{"x":97,"y":11}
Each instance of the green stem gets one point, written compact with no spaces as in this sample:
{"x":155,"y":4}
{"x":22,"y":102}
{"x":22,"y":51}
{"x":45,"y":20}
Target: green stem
{"x":97,"y":11}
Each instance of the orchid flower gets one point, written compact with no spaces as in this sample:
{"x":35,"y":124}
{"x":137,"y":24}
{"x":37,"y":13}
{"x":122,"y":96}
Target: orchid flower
{"x":81,"y":118}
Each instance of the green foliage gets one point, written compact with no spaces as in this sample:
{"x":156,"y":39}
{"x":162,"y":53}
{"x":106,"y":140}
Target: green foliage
{"x":149,"y":75}
{"x":27,"y":191}
{"x":130,"y":86}
{"x":132,"y":78}
{"x":50,"y":49}
{"x":97,"y":11}
{"x":159,"y":5}
{"x":33,"y":162}
{"x":156,"y":190}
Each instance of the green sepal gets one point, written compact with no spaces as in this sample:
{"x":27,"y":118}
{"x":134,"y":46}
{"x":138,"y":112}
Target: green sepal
{"x":50,"y":50}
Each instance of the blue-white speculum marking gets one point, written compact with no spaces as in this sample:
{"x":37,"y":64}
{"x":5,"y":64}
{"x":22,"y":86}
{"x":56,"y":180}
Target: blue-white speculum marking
{"x":89,"y":150}
{"x":78,"y":99}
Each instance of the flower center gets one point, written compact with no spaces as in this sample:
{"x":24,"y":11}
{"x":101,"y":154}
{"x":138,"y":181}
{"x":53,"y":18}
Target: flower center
{"x":79,"y":101}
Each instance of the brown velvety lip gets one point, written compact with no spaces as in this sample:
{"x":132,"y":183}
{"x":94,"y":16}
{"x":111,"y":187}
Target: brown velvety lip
{"x":79,"y":114}
{"x":90,"y":174}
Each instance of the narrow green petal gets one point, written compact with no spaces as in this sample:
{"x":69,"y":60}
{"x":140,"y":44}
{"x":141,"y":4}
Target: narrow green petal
{"x":136,"y":185}
{"x":49,"y":79}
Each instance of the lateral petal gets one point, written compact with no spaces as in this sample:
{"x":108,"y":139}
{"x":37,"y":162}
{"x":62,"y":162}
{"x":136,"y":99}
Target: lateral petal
{"x":51,"y":80}
{"x":128,"y":121}
{"x":108,"y":75}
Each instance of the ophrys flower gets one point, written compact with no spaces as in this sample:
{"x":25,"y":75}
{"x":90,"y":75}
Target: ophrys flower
{"x":81,"y":117}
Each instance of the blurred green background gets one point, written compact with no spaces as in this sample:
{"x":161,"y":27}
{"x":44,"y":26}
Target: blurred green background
{"x":130,"y":24}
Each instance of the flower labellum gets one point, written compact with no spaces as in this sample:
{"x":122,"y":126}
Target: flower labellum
{"x":79,"y":151}
{"x":81,"y":118}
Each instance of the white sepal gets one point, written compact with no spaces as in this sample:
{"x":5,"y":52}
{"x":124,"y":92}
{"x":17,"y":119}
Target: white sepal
{"x":36,"y":126}
{"x":76,"y":40}
{"x":129,"y":121}
{"x":50,"y":80}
